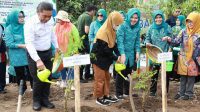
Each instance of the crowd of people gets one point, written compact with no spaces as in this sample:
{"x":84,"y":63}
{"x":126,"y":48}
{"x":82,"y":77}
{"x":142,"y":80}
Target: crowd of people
{"x":111,"y":38}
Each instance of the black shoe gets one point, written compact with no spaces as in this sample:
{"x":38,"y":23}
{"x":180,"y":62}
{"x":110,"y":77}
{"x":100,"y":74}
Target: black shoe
{"x":119,"y":97}
{"x":178,"y":96}
{"x":135,"y":95}
{"x":48,"y":104}
{"x":111,"y":99}
{"x":102,"y":101}
{"x":2,"y":92}
{"x":36,"y":106}
{"x":152,"y":94}
{"x":186,"y":97}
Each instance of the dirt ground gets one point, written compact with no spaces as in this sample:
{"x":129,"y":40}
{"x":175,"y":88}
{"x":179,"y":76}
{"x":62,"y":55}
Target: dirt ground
{"x":153,"y":104}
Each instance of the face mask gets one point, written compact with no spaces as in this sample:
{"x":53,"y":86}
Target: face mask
{"x":115,"y":27}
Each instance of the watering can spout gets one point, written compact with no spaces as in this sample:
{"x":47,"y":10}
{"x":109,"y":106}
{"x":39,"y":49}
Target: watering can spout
{"x":118,"y":68}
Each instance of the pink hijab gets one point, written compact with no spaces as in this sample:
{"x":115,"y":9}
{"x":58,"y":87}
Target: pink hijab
{"x":63,"y":35}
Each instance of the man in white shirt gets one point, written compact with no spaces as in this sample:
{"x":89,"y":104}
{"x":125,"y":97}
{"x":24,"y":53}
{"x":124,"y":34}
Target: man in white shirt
{"x":39,"y":35}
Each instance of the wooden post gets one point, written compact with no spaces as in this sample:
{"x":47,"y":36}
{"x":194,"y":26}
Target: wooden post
{"x":77,"y":89}
{"x":163,"y":80}
{"x":19,"y":104}
{"x":130,"y":94}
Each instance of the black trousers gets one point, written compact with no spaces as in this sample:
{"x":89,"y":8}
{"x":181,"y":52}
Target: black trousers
{"x":122,"y":86}
{"x":12,"y":79}
{"x":2,"y":75}
{"x":154,"y":79}
{"x":41,"y":90}
{"x":85,"y":68}
{"x":22,"y":73}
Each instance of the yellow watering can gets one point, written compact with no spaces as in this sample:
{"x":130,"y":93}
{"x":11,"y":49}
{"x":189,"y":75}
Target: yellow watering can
{"x":43,"y":75}
{"x":118,"y":68}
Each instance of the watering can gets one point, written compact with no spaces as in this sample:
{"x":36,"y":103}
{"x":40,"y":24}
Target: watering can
{"x":43,"y":75}
{"x":118,"y":68}
{"x":152,"y":53}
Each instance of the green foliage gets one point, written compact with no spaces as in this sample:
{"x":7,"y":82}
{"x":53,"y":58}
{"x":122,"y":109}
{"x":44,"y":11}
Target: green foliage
{"x":74,"y":7}
{"x":124,"y":5}
{"x":189,"y":6}
{"x":93,"y":56}
{"x":143,"y":80}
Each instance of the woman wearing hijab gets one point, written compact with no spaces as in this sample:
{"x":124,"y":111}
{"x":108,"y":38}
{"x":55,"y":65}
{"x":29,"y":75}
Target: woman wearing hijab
{"x":94,"y":27}
{"x":128,"y":43}
{"x":102,"y":57}
{"x":189,"y":56}
{"x":123,"y":14}
{"x":68,"y":41}
{"x":14,"y":39}
{"x":180,"y":25}
{"x":158,"y":34}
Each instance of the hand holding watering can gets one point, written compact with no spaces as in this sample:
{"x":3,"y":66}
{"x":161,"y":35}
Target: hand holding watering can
{"x":43,"y":76}
{"x":40,"y":65}
{"x":118,"y":68}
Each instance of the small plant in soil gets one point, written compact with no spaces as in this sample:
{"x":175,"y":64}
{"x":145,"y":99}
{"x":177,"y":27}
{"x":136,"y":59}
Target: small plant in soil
{"x":142,"y":84}
{"x":67,"y":93}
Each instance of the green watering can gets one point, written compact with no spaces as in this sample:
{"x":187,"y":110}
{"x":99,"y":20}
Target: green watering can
{"x":118,"y":68}
{"x":43,"y":75}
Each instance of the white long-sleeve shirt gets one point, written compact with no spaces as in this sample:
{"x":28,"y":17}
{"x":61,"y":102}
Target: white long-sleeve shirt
{"x":39,"y":36}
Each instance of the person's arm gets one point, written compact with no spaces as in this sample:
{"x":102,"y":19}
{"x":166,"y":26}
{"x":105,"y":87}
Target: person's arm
{"x":76,"y":39}
{"x":137,"y":45}
{"x":88,"y":21}
{"x":148,"y":40}
{"x":87,"y":28}
{"x":120,"y":39}
{"x":177,"y":40}
{"x":169,"y":34}
{"x":137,"y":42}
{"x":91,"y":33}
{"x":103,"y":49}
{"x":116,"y":51}
{"x":29,"y":40}
{"x":54,"y":39}
{"x":120,"y":43}
{"x":9,"y":40}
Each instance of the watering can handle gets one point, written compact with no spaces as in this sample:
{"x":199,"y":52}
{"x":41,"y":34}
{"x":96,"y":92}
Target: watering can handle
{"x":38,"y":70}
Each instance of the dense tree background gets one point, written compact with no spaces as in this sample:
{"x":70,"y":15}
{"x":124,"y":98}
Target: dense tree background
{"x":76,"y":7}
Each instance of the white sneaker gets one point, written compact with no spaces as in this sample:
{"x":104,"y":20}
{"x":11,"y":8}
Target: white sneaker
{"x":125,"y":96}
{"x":63,"y":84}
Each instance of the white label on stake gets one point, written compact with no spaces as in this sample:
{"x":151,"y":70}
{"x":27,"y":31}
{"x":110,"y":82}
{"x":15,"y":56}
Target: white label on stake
{"x":76,"y":60}
{"x":166,"y":56}
{"x":143,"y":60}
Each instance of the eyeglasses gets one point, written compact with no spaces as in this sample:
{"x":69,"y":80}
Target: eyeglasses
{"x":21,"y":16}
{"x":99,"y":15}
{"x":178,"y":11}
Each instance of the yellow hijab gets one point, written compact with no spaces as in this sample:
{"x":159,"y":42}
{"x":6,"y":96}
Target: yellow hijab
{"x":194,"y":17}
{"x":106,"y":32}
